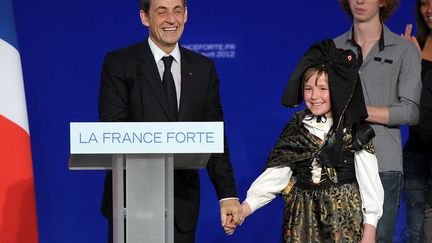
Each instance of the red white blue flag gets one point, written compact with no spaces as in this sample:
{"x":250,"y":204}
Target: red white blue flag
{"x":18,"y":221}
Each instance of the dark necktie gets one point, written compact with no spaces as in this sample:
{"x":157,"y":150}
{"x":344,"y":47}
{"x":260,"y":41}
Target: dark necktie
{"x":169,"y":87}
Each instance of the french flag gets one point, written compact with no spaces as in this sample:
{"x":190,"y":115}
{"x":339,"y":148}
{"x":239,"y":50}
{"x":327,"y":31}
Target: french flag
{"x":18,"y":221}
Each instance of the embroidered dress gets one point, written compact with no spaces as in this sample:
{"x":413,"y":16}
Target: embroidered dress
{"x":322,"y":204}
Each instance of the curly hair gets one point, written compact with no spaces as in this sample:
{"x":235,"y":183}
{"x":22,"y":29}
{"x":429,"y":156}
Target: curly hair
{"x":388,"y":6}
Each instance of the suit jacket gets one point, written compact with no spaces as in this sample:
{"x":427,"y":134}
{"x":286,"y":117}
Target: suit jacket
{"x":131,"y":90}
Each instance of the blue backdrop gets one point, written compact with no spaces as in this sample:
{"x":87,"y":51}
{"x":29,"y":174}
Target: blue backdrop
{"x":255,"y":45}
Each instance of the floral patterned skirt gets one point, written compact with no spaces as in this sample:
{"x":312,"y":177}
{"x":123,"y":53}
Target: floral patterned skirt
{"x":328,"y":215}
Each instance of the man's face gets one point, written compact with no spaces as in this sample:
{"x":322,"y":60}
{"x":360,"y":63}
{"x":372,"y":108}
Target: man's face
{"x":165,"y":20}
{"x":365,"y":10}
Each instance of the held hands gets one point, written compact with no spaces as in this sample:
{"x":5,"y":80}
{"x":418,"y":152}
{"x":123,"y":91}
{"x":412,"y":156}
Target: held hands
{"x":230,"y":226}
{"x":407,"y":35}
{"x":231,"y":214}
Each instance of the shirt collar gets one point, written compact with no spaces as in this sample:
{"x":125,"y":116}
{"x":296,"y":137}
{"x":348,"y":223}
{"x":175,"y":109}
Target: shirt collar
{"x":386,"y":39}
{"x":158,"y":53}
{"x":311,"y":120}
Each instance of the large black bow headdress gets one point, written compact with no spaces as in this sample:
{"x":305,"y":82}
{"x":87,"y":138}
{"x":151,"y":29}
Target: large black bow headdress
{"x":346,"y":94}
{"x":347,"y":102}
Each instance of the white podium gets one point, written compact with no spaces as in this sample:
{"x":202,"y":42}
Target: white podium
{"x":147,"y":153}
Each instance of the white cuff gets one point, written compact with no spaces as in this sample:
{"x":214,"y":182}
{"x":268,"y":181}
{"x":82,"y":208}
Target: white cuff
{"x":253,"y":204}
{"x":228,"y":198}
{"x":371,"y":219}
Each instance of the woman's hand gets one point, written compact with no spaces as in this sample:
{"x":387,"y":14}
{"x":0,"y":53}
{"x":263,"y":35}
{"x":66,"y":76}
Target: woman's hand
{"x":407,"y":35}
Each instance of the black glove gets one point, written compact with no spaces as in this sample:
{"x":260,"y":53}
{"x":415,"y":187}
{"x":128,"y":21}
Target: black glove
{"x":362,"y":133}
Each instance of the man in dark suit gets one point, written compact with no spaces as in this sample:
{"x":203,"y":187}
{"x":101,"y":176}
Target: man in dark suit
{"x":136,"y":87}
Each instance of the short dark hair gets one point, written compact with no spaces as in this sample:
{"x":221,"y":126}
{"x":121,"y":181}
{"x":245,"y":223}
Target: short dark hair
{"x":423,"y":29}
{"x":314,"y":70}
{"x":385,"y":11}
{"x":145,"y":5}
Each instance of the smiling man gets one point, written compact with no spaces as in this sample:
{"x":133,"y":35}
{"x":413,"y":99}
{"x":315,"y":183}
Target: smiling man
{"x":157,"y":80}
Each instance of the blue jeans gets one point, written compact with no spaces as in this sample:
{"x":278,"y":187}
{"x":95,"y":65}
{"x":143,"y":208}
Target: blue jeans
{"x":416,"y":176}
{"x":392,"y":184}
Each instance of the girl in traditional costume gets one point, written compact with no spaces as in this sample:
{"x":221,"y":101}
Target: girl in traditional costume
{"x":323,"y":165}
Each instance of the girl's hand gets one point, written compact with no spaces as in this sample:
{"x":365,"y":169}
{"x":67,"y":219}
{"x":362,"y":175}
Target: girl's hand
{"x":369,"y":234}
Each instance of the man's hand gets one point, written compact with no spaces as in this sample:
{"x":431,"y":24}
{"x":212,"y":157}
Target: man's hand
{"x":231,"y":214}
{"x":229,"y":227}
{"x":378,"y":115}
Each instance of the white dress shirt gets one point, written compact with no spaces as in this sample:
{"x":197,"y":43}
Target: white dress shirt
{"x":175,"y":67}
{"x":175,"y":71}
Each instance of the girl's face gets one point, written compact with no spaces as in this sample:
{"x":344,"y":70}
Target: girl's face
{"x":316,"y":94}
